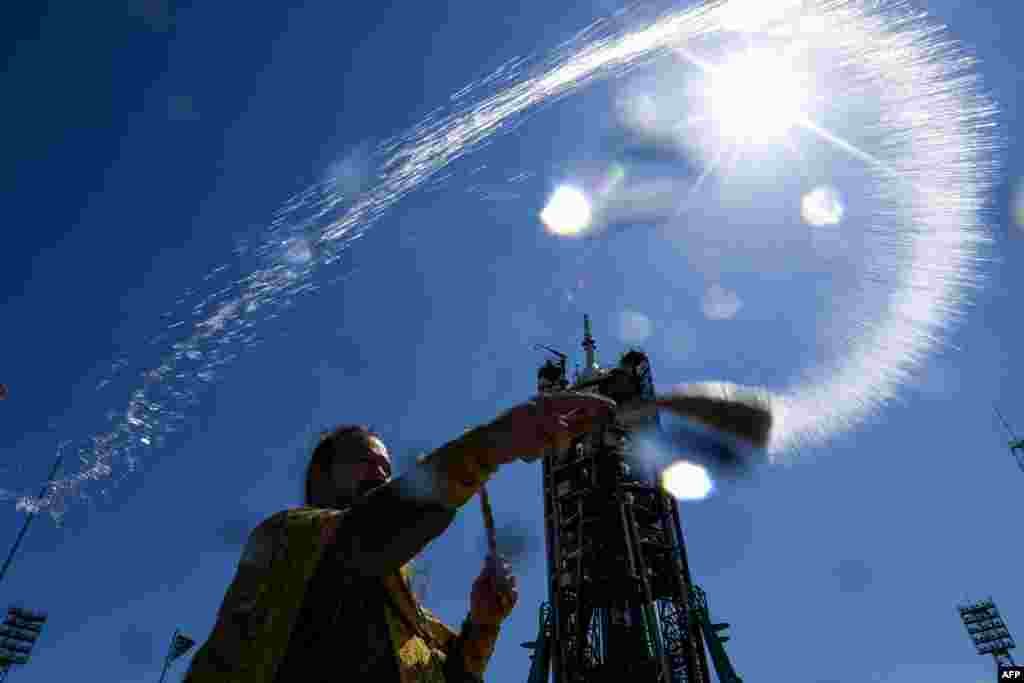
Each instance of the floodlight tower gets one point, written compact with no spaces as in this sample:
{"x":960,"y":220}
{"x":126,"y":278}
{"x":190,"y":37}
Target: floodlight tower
{"x":988,"y":631}
{"x":18,"y":634}
{"x":621,"y":598}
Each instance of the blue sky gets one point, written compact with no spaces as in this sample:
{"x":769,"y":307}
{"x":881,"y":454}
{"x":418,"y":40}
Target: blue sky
{"x":144,"y":140}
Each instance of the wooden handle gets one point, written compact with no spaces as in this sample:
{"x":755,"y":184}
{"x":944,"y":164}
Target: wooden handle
{"x":492,"y":535}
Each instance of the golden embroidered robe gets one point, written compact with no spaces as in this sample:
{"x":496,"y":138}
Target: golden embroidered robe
{"x":323,"y":596}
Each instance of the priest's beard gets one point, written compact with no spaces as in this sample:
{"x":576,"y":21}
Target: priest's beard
{"x":342,"y":501}
{"x":368,"y":485}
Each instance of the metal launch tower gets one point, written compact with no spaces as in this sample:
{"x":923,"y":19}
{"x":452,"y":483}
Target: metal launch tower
{"x":622,"y":603}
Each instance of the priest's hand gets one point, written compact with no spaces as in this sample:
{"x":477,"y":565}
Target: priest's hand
{"x":549,"y":421}
{"x":494,"y":593}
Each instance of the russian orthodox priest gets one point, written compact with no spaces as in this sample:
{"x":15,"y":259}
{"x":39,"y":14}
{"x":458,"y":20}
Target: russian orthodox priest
{"x":322,"y":592}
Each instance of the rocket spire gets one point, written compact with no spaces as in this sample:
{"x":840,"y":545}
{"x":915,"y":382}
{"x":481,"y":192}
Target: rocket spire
{"x":590,"y":363}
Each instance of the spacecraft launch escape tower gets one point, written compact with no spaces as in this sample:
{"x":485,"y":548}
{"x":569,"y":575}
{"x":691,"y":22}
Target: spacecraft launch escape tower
{"x":622,"y":603}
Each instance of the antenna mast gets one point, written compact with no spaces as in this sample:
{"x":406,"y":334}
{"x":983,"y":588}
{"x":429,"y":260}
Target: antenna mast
{"x":590,"y":362}
{"x":1016,"y":445}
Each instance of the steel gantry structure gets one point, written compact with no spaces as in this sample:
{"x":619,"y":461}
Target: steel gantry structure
{"x":622,"y":602}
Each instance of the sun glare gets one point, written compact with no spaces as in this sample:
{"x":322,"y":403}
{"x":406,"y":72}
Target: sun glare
{"x":567,"y":212}
{"x":756,"y":94}
{"x":686,"y":481}
{"x":822,"y":206}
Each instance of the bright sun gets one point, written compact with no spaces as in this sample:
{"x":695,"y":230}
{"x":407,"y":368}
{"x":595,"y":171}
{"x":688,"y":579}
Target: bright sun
{"x":756,"y":94}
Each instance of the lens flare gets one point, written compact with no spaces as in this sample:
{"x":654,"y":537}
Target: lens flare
{"x":686,"y":481}
{"x":720,"y":304}
{"x":568,"y":211}
{"x":1017,"y":206}
{"x":822,"y":206}
{"x":634,"y":327}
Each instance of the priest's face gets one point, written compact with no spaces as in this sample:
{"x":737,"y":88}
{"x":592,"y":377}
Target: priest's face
{"x":360,"y":468}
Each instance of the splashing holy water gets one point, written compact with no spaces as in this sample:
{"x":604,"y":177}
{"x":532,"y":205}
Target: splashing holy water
{"x":934,"y":149}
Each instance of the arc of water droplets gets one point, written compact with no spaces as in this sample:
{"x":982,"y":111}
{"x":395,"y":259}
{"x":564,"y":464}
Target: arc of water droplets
{"x":937,"y":141}
{"x":942,"y":152}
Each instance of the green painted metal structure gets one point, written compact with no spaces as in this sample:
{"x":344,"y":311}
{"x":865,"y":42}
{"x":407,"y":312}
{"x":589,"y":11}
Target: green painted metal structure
{"x":714,"y":637}
{"x":540,"y":668}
